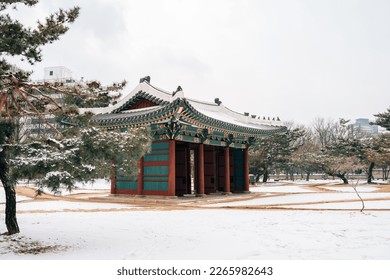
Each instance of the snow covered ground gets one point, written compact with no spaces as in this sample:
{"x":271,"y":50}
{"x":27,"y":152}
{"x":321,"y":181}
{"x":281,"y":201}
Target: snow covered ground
{"x":208,"y":234}
{"x":57,"y":206}
{"x":75,"y":227}
{"x":302,"y":198}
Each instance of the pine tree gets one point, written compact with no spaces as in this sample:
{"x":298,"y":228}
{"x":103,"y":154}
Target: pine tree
{"x":17,"y":96}
{"x":80,"y":158}
{"x":272,"y":152}
{"x":378,"y":152}
{"x":383,"y":119}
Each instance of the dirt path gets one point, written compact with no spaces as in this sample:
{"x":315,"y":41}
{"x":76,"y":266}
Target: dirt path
{"x":186,"y":203}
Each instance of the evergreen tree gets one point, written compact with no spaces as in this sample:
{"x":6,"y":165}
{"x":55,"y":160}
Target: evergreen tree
{"x":73,"y":151}
{"x":273,"y":152}
{"x":17,"y":96}
{"x":342,"y":148}
{"x":92,"y":94}
{"x":378,"y":152}
{"x":80,"y":158}
{"x":383,"y":119}
{"x":344,"y":156}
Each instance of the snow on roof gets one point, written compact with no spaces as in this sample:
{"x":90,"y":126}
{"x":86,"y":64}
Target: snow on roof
{"x":141,"y":87}
{"x":129,"y":113}
{"x":220,"y":112}
{"x":209,"y":109}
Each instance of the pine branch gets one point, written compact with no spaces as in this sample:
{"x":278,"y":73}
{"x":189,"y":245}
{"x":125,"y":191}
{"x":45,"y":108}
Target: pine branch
{"x":38,"y":114}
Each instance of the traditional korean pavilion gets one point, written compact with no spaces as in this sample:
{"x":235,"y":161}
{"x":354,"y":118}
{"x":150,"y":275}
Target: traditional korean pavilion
{"x":198,"y":147}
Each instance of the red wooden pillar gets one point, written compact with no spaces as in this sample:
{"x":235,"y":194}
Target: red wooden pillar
{"x":227,"y":170}
{"x":246,"y":170}
{"x":140,"y":175}
{"x":113,"y":179}
{"x":172,"y":168}
{"x":201,"y":170}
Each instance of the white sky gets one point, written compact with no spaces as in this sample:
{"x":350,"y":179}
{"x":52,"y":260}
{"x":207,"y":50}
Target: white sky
{"x":294,"y":59}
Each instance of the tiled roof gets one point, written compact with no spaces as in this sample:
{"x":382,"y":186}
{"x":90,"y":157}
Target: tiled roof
{"x":213,"y":116}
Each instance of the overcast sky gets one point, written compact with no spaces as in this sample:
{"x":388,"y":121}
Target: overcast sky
{"x":294,"y":59}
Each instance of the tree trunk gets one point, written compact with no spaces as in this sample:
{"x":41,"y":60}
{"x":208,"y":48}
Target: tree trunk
{"x":308,"y":176}
{"x":342,"y":177}
{"x":370,"y":176}
{"x":385,"y":173}
{"x":7,"y":128}
{"x":338,"y":175}
{"x":265,"y":176}
{"x":292,"y":178}
{"x":10,"y":209}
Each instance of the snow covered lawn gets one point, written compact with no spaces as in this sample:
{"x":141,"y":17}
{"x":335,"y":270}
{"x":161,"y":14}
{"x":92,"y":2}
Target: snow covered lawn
{"x":79,"y":227}
{"x":280,"y":189}
{"x":303,"y":198}
{"x":18,"y":197}
{"x":55,"y":206}
{"x":357,"y":205}
{"x":208,"y":234}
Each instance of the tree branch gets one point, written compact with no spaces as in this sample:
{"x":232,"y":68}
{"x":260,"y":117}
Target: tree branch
{"x":357,"y":193}
{"x":38,"y":114}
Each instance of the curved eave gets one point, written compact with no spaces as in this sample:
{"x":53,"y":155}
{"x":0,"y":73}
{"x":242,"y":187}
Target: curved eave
{"x":188,"y":114}
{"x":136,"y":118}
{"x":192,"y":115}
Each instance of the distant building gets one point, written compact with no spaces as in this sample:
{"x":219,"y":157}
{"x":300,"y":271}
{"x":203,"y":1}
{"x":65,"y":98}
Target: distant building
{"x":364,"y":126}
{"x":57,"y":74}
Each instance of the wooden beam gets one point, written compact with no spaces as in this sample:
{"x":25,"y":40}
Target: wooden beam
{"x":140,"y":175}
{"x":201,"y":169}
{"x":246,"y":170}
{"x":172,"y":168}
{"x":113,"y":179}
{"x":227,"y":170}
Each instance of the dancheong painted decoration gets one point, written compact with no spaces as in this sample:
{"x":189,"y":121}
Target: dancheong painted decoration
{"x":198,"y":148}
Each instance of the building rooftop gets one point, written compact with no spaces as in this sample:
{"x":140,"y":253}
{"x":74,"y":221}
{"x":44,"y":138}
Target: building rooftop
{"x":147,"y":104}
